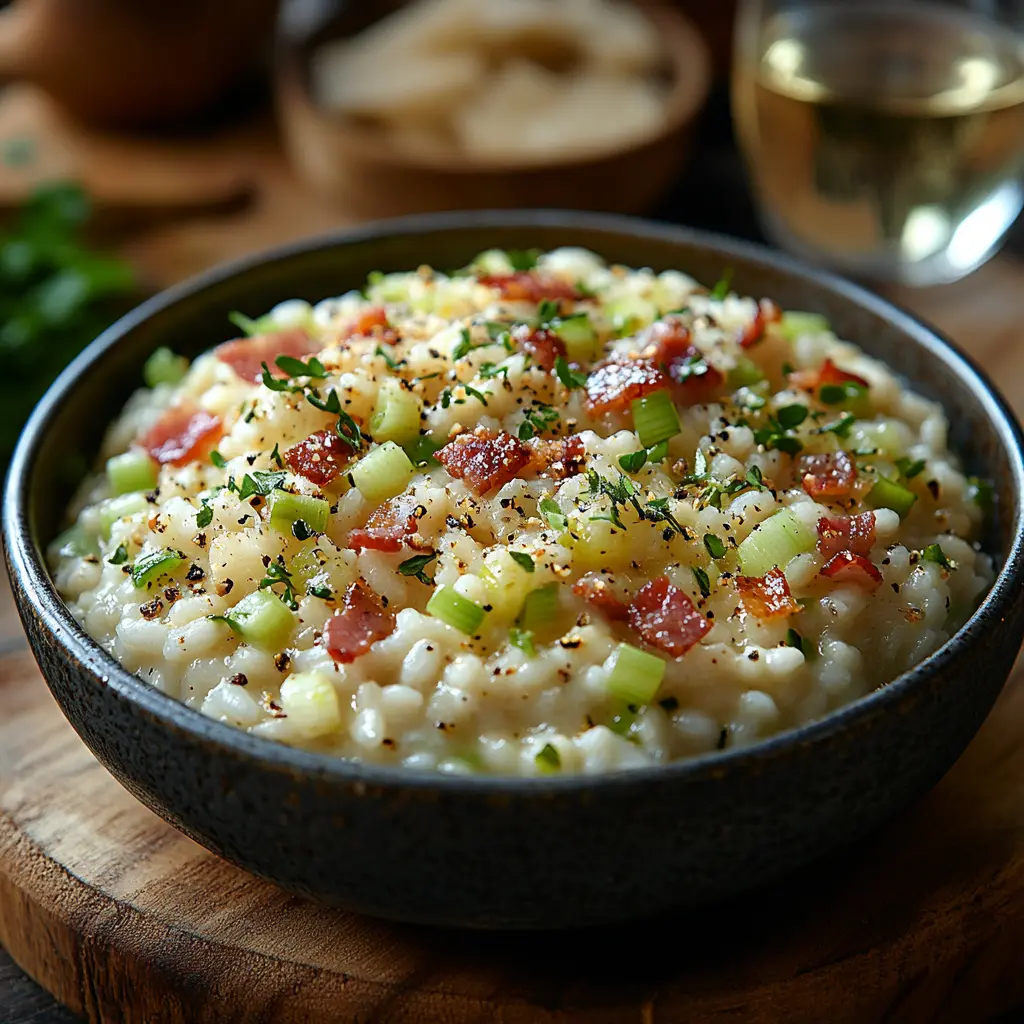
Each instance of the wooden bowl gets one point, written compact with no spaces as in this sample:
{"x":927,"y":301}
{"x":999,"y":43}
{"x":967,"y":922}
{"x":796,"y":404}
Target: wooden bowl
{"x":542,"y":852}
{"x":364,"y":172}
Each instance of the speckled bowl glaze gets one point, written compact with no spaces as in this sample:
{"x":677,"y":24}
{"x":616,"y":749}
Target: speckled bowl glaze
{"x":499,"y":852}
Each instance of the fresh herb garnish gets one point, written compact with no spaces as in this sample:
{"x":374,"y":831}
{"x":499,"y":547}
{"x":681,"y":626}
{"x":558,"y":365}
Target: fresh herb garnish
{"x":297,"y":368}
{"x":248,"y":326}
{"x":538,"y":419}
{"x":547,"y":311}
{"x":318,"y":590}
{"x":909,"y":468}
{"x":834,"y":394}
{"x":840,"y":427}
{"x":523,"y":559}
{"x":794,"y":639}
{"x":205,"y":515}
{"x":981,"y":492}
{"x":217,"y":459}
{"x":702,"y":581}
{"x":278,"y":575}
{"x":754,"y":477}
{"x":260,"y":481}
{"x":571,"y":378}
{"x":488,"y":371}
{"x":776,"y":434}
{"x":465,"y":345}
{"x":392,"y":364}
{"x":634,"y":461}
{"x":415,"y":567}
{"x":934,"y":553}
{"x":791,"y":416}
{"x":721,"y":288}
{"x":714,"y":545}
{"x":301,"y":530}
{"x":523,"y":259}
{"x":275,"y":457}
{"x":552,"y":514}
{"x":120,"y":556}
{"x":478,"y":395}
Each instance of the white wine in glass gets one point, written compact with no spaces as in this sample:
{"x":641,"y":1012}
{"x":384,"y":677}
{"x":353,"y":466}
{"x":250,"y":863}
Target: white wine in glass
{"x":884,"y":138}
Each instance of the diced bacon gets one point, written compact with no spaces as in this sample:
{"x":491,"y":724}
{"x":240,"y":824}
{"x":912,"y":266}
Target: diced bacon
{"x":557,"y":460}
{"x":485,"y":460}
{"x":389,"y":526}
{"x":694,"y":380}
{"x":665,"y":617}
{"x":320,"y":458}
{"x":846,"y":533}
{"x":246,"y":355}
{"x":767,"y":596}
{"x":540,"y":344}
{"x":831,"y":475}
{"x":850,"y":568}
{"x":530,"y":286}
{"x":596,"y":591}
{"x":182,"y":434}
{"x":362,"y":621}
{"x":613,"y":386}
{"x":372,"y":323}
{"x":829,"y":373}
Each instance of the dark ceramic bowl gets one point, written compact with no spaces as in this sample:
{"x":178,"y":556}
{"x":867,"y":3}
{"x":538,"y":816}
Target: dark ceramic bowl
{"x":501,"y":852}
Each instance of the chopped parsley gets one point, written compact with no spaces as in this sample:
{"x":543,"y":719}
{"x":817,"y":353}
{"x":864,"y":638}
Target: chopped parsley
{"x":702,"y":581}
{"x":488,"y":371}
{"x":834,"y":394}
{"x":297,"y":368}
{"x":278,"y":575}
{"x":840,"y":427}
{"x":416,"y":566}
{"x":523,"y":559}
{"x":552,"y":514}
{"x":275,"y":457}
{"x":523,"y":639}
{"x":538,"y":419}
{"x":909,"y":468}
{"x":392,"y":364}
{"x":205,"y":515}
{"x":523,"y":259}
{"x":571,"y":378}
{"x":776,"y":434}
{"x":319,"y":590}
{"x":791,"y":416}
{"x":714,"y":545}
{"x":120,"y":556}
{"x":217,"y":459}
{"x":934,"y":553}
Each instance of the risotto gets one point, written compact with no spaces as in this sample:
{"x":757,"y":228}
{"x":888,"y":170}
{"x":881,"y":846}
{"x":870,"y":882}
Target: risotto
{"x":539,"y":515}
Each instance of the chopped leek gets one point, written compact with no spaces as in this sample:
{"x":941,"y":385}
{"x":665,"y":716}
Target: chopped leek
{"x":164,"y":367}
{"x":578,"y":335}
{"x":262,"y":620}
{"x":151,"y":567}
{"x":775,"y":542}
{"x":287,"y":510}
{"x":523,"y":639}
{"x":132,"y":471}
{"x":311,"y":703}
{"x":795,"y":323}
{"x":113,"y":509}
{"x":636,"y":675}
{"x":396,"y":416}
{"x":76,"y":543}
{"x":655,"y":418}
{"x":889,"y":494}
{"x":745,"y":374}
{"x":383,"y":472}
{"x":455,"y":610}
{"x":539,"y":608}
{"x":548,"y":759}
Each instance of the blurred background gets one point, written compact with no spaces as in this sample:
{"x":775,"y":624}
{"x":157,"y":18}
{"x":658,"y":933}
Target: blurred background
{"x":142,"y":143}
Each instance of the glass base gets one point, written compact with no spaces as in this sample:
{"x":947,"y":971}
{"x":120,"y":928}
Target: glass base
{"x":974,"y":241}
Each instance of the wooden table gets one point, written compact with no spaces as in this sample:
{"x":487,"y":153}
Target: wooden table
{"x":982,"y":314}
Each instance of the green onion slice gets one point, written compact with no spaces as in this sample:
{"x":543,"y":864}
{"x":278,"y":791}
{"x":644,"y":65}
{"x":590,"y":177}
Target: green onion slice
{"x":455,"y":610}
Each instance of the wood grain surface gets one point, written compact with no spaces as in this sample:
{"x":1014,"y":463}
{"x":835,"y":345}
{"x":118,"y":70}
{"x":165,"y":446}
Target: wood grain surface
{"x":124,"y":919}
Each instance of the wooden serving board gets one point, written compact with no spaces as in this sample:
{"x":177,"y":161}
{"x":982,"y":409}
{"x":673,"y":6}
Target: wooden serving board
{"x":125,"y":919}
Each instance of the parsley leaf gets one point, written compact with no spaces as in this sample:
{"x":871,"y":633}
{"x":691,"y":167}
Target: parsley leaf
{"x":714,"y":545}
{"x":523,"y":559}
{"x":205,"y":515}
{"x":415,"y":567}
{"x":318,"y":590}
{"x":120,"y":556}
{"x":571,"y":378}
{"x":523,"y":259}
{"x":702,"y":581}
{"x":464,"y":347}
{"x":217,"y":459}
{"x":523,"y":639}
{"x":834,"y":394}
{"x":634,"y":461}
{"x":547,"y":311}
{"x":488,"y":371}
{"x":392,"y":364}
{"x":297,"y":368}
{"x":721,"y":288}
{"x":791,"y":416}
{"x":840,"y":427}
{"x":538,"y":419}
{"x":552,"y":514}
{"x":278,"y":575}
{"x":934,"y":553}
{"x":275,"y":457}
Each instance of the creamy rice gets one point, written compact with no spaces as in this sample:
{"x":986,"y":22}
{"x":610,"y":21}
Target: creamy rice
{"x":681,"y":638}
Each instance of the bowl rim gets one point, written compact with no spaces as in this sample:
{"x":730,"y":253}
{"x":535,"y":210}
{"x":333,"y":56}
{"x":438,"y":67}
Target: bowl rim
{"x":36,"y":594}
{"x":686,"y":55}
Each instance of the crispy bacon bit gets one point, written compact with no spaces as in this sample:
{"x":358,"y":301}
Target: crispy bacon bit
{"x":557,"y":460}
{"x":388,"y":527}
{"x":320,"y":458}
{"x":850,"y":568}
{"x":827,"y":476}
{"x":767,"y":596}
{"x":594,"y":589}
{"x":613,"y":386}
{"x":694,"y":380}
{"x":246,"y":355}
{"x":829,"y":373}
{"x":665,"y":617}
{"x":530,"y":286}
{"x":846,"y":533}
{"x":360,"y":623}
{"x":182,"y":434}
{"x":485,"y":460}
{"x":373,"y":323}
{"x":540,"y":344}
